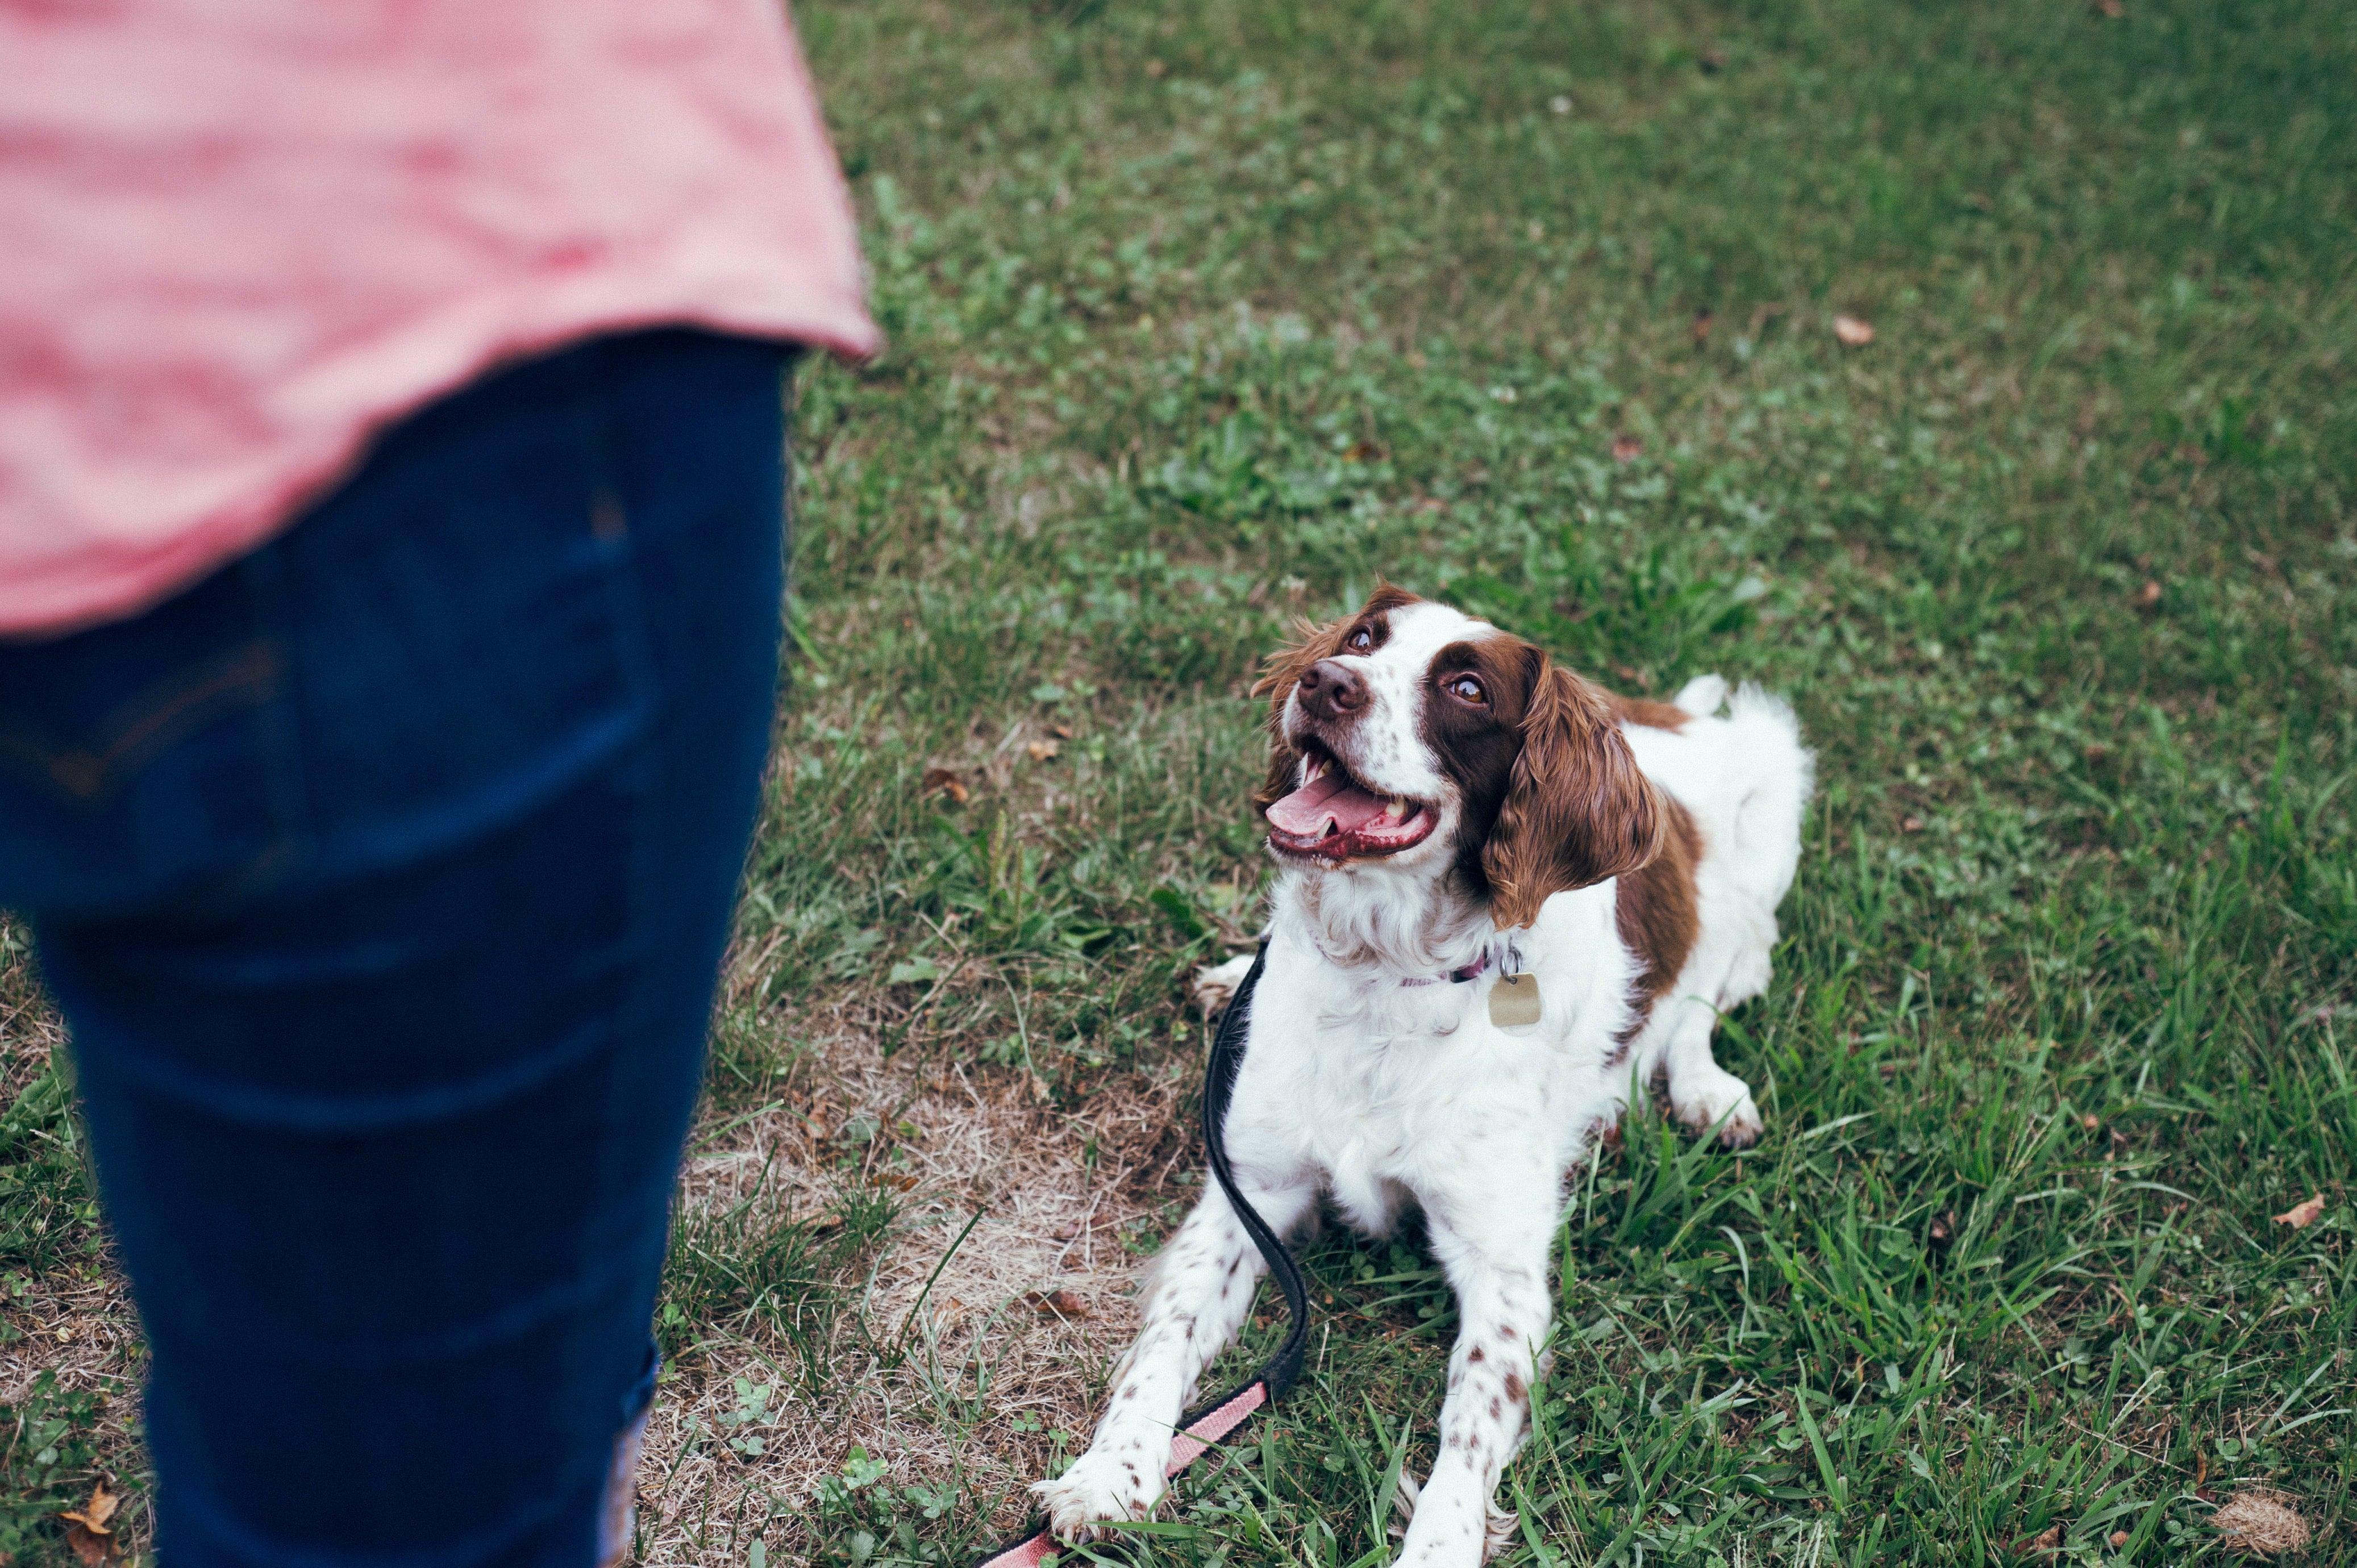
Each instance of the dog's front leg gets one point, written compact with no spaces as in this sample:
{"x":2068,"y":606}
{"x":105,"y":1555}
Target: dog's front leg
{"x":1202,"y":1287}
{"x":1495,"y":1254}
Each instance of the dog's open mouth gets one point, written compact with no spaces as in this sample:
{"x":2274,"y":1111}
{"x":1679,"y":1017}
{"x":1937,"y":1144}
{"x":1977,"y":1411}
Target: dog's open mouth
{"x":1335,"y":817}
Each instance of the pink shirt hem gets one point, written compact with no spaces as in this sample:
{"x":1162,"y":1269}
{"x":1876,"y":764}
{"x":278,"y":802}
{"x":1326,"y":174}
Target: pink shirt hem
{"x":244,"y":236}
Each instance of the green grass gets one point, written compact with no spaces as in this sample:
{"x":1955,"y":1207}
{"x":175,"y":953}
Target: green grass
{"x":1205,"y":315}
{"x":55,"y":1437}
{"x":1208,"y":314}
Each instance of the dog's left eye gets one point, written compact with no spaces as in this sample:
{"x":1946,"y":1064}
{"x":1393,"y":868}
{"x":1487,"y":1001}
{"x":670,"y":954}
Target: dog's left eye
{"x":1361,"y":640}
{"x":1467,"y":688}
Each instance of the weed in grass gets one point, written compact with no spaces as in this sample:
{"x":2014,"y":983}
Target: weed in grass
{"x":49,"y":1456}
{"x":743,"y":1269}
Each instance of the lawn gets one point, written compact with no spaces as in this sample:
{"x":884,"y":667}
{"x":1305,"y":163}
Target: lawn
{"x":1210,"y":314}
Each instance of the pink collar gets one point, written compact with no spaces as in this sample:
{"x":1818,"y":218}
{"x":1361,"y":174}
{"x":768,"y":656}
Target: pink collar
{"x":1474,"y":970}
{"x":1460,"y":976}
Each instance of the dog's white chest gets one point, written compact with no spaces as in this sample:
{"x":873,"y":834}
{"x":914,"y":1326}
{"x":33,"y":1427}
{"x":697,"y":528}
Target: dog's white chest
{"x":1380,"y":1115}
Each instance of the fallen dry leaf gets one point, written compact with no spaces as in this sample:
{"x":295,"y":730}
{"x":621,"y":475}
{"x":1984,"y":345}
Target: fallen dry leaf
{"x":1626,"y":448}
{"x":95,"y":1514}
{"x":2047,"y":1540}
{"x":945,"y":781}
{"x":1057,"y":1304}
{"x":1911,"y":824}
{"x":2119,"y":1539}
{"x":1701,"y":328}
{"x":2300,"y":1215}
{"x":1042,"y":750}
{"x":1853,"y":331}
{"x":2149,"y":595}
{"x":89,"y":1528}
{"x":2259,"y":1521}
{"x":1063,"y":731}
{"x":2111,"y":8}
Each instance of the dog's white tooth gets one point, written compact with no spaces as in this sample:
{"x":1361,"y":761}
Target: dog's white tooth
{"x":1315,"y":772}
{"x":1395,"y":808}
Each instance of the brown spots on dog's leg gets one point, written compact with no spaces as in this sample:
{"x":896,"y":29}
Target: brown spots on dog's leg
{"x":1474,"y":1355}
{"x":1515,"y":1390}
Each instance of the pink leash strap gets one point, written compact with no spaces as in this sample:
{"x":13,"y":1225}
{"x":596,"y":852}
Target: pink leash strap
{"x":1196,"y":1439}
{"x":1203,"y":1430}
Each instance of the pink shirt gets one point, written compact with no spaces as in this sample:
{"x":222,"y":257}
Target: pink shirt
{"x":239,"y":237}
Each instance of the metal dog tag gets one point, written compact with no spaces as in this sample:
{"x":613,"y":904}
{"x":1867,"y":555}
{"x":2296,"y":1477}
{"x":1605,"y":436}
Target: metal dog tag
{"x":1514,"y":1001}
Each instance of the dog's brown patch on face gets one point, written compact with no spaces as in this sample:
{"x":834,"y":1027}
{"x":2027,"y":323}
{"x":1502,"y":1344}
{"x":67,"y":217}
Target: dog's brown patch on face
{"x":1477,"y":745}
{"x":1552,"y":798}
{"x":1656,"y":912}
{"x":1286,"y":666}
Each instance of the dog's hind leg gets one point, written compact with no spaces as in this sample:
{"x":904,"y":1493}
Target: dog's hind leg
{"x":1705,"y":1094}
{"x":1201,"y":1288}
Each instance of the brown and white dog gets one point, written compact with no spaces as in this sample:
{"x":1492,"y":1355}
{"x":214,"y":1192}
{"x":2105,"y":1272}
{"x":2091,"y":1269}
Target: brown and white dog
{"x":1446,"y":805}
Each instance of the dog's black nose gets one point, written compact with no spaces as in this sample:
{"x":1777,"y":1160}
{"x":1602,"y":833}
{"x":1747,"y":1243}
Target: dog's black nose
{"x":1329,"y":688}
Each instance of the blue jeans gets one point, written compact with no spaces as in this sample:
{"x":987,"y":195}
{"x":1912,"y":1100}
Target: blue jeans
{"x":383,"y":879}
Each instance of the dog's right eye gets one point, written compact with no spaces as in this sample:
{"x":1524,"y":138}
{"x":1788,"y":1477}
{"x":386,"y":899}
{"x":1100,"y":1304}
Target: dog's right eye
{"x":1361,"y":640}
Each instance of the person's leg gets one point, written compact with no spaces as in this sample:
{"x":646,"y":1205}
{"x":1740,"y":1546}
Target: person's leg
{"x":383,"y":879}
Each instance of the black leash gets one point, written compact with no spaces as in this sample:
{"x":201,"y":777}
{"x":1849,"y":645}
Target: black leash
{"x":1203,"y":1427}
{"x":1281,"y":1371}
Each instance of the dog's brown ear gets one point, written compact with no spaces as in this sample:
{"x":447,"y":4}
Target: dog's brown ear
{"x":1577,"y":809}
{"x":1283,"y":669}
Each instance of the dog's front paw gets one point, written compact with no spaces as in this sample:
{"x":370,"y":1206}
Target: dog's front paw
{"x":1499,"y":1528}
{"x":1712,"y":1096}
{"x":1215,"y":984}
{"x":1105,"y":1487}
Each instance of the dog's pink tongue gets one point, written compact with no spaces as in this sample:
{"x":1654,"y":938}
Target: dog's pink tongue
{"x":1306,"y":812}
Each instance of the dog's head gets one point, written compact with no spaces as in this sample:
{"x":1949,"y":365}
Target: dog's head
{"x":1415,"y":737}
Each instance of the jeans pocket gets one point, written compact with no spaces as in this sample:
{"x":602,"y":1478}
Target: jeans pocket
{"x":87,"y":770}
{"x":145,"y":757}
{"x":467,"y":624}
